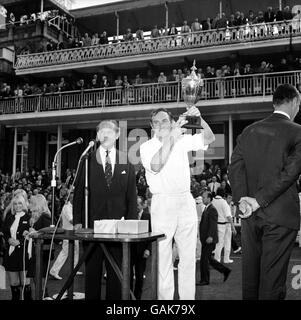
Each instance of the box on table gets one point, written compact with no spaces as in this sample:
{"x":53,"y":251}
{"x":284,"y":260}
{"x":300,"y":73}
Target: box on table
{"x":105,"y":226}
{"x":132,"y":226}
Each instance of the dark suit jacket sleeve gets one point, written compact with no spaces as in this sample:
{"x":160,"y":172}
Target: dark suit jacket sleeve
{"x":131,"y":195}
{"x":237,"y":173}
{"x":285,"y":179}
{"x":78,"y":199}
{"x":212,"y":229}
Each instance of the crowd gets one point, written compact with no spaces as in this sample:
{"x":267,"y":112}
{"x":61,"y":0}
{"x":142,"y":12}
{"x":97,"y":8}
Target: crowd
{"x":222,"y":21}
{"x":124,"y":81}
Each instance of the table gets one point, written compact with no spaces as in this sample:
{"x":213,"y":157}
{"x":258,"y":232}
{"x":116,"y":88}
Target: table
{"x":102,"y":240}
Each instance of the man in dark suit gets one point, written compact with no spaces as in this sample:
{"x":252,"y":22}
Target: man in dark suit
{"x":265,"y":166}
{"x":140,"y":251}
{"x":209,"y":238}
{"x":112,"y":195}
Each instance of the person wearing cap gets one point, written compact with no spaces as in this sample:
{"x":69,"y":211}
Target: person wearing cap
{"x":173,"y":209}
{"x":112,"y":195}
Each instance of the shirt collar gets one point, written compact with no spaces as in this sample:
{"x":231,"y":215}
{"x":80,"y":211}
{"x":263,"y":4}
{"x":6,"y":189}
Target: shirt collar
{"x":103,"y":150}
{"x":283,"y":113}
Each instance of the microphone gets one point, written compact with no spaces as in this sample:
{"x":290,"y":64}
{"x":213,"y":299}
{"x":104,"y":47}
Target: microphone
{"x":79,"y":140}
{"x":90,"y":145}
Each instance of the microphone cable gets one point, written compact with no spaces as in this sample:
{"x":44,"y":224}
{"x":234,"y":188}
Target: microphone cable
{"x":55,"y":229}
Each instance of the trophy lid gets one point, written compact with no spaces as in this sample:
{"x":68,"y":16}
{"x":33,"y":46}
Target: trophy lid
{"x":192,"y":77}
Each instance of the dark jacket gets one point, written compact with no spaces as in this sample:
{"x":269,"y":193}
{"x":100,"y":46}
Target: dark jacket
{"x":208,"y":224}
{"x":266,"y":164}
{"x":104,"y":203}
{"x":23,"y":226}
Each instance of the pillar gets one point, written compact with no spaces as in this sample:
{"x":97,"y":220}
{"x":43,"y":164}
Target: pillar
{"x":230,"y":121}
{"x":59,"y":145}
{"x":15,"y":151}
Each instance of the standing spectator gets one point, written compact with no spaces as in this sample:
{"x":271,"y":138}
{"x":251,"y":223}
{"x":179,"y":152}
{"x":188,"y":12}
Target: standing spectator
{"x":269,"y":15}
{"x":12,"y":19}
{"x":214,"y":185}
{"x":139,"y":34}
{"x":251,"y":17}
{"x":140,"y":251}
{"x":103,"y":39}
{"x":104,"y":82}
{"x":67,"y":224}
{"x":196,"y":26}
{"x":172,"y":30}
{"x":87,"y":40}
{"x":279,"y":15}
{"x":15,"y":224}
{"x":287,"y":14}
{"x":225,"y":227}
{"x":40,"y":218}
{"x":185,"y":28}
{"x":155,"y":33}
{"x":95,"y":39}
{"x":128,"y":36}
{"x":209,"y":237}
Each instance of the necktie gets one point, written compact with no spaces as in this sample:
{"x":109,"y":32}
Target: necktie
{"x":108,"y":169}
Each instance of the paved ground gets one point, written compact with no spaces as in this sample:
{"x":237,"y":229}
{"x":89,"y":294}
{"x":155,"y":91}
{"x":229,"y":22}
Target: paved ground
{"x":217,"y":290}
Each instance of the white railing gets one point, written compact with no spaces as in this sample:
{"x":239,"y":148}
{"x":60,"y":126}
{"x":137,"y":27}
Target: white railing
{"x":246,"y":33}
{"x":215,"y":88}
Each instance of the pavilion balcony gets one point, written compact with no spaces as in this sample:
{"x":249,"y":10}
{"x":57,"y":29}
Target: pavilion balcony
{"x":203,"y":42}
{"x":215,"y":89}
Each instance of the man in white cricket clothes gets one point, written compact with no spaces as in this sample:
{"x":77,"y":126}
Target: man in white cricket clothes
{"x":67,"y":224}
{"x":225,"y":227}
{"x":173,"y":209}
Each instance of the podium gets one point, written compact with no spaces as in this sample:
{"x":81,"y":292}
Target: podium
{"x":98,"y":239}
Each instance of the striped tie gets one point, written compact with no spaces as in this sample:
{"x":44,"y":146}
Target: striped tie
{"x":108,"y":169}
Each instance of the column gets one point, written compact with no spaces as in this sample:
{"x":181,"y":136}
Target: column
{"x":230,"y":136}
{"x":166,"y":17}
{"x":59,"y":145}
{"x":220,"y":8}
{"x":117,"y":24}
{"x":47,"y":152}
{"x":42,"y":5}
{"x":15,"y":151}
{"x":280,"y":4}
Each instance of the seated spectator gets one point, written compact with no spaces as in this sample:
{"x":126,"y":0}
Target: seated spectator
{"x":52,"y":88}
{"x":155,"y":33}
{"x":185,"y":28}
{"x":94,"y":82}
{"x":209,"y":72}
{"x":103,"y":39}
{"x":172,"y":30}
{"x":196,"y":26}
{"x":269,"y":15}
{"x":128,"y":36}
{"x":27,"y":90}
{"x":139,"y":34}
{"x":181,"y":75}
{"x":87,"y":40}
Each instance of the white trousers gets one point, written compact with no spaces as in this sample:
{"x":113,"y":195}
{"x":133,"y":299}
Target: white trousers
{"x":224,"y":241}
{"x":176,"y":217}
{"x":63,"y":255}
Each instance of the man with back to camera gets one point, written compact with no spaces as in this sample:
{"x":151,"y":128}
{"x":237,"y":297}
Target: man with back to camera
{"x":173,"y":209}
{"x":112,"y":195}
{"x":265,"y":166}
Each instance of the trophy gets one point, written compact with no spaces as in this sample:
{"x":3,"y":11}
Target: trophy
{"x":191,"y":89}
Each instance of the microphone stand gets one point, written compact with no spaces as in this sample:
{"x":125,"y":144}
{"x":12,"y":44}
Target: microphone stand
{"x":86,"y":230}
{"x":51,"y":228}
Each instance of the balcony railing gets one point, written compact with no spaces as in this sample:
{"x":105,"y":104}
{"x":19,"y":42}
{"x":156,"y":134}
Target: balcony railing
{"x":215,"y":88}
{"x":246,"y":33}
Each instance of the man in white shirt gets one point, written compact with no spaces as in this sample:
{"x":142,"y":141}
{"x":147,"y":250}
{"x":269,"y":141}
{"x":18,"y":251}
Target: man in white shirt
{"x":214,"y":185}
{"x":225,"y":227}
{"x":173,"y":209}
{"x":67,"y":224}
